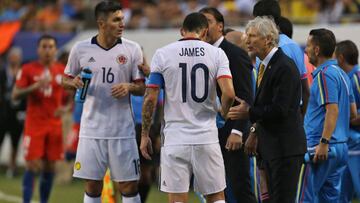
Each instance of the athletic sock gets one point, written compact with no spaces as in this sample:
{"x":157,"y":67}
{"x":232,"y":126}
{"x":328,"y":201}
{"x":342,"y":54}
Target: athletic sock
{"x":45,"y":185}
{"x":28,"y":186}
{"x":220,"y":201}
{"x":133,"y":199}
{"x":88,"y":199}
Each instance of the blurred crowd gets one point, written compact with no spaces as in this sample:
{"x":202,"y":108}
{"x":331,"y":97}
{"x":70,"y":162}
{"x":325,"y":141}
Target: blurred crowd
{"x":73,"y":15}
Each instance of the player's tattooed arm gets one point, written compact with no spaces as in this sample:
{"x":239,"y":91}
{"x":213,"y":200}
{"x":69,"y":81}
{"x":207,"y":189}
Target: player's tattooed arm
{"x":137,"y":88}
{"x":150,"y":100}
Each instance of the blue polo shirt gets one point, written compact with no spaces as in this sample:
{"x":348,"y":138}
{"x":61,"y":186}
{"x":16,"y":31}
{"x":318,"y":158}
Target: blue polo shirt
{"x":293,"y":51}
{"x":354,"y":139}
{"x":331,"y":85}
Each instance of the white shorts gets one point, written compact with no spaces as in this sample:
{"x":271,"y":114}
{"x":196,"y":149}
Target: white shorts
{"x":205,"y":162}
{"x":94,"y":156}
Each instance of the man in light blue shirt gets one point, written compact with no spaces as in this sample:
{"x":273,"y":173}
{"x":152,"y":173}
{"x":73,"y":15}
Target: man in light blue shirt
{"x":327,"y":120}
{"x":347,"y":56}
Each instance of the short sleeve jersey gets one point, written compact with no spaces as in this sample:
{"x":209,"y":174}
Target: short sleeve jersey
{"x":103,"y":116}
{"x":330,"y":85}
{"x":42,"y":103}
{"x":354,"y":76}
{"x":189,"y":69}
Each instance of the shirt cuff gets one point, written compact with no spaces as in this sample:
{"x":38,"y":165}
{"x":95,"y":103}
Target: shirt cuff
{"x":237,"y":132}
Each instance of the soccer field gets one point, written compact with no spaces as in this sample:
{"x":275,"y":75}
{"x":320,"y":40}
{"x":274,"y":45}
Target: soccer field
{"x":10,"y":192}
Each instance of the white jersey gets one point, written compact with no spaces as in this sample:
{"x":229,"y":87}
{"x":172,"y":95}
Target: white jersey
{"x":105,"y":117}
{"x":190,"y":69}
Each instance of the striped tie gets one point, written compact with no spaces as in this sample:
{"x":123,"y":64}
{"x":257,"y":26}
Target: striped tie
{"x":260,"y":75}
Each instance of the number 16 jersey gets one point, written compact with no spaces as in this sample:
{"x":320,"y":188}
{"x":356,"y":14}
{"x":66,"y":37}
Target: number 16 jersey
{"x":189,"y":69}
{"x":105,"y":117}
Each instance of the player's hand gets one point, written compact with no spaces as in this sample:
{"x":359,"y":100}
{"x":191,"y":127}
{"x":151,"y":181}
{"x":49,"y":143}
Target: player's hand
{"x":59,"y":112}
{"x":146,"y":147}
{"x":251,"y":144}
{"x":234,"y":142}
{"x":77,"y":82}
{"x":240,"y":111}
{"x":120,"y":90}
{"x":144,"y":67}
{"x":321,"y":153}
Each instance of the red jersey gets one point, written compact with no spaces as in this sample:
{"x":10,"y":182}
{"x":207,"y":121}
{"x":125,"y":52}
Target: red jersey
{"x":43,"y":102}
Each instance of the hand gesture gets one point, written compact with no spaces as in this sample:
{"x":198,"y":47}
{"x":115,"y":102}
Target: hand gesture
{"x":146,"y":147}
{"x":120,"y":90}
{"x":251,"y":144}
{"x":240,"y":111}
{"x":77,"y":82}
{"x":144,"y":67}
{"x":234,"y":142}
{"x":321,"y":152}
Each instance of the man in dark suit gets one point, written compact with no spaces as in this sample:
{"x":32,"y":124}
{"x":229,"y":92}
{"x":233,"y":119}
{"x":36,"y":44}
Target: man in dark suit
{"x":277,"y":134}
{"x":233,"y":134}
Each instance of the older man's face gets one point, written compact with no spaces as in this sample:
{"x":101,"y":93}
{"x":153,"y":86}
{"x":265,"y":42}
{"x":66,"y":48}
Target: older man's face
{"x":256,"y":43}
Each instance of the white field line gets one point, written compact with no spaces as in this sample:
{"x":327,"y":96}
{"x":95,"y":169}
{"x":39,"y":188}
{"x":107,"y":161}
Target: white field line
{"x":12,"y":198}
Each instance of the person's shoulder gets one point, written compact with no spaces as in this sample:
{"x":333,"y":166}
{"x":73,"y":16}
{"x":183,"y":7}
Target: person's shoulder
{"x":130,"y":43}
{"x":31,"y":65}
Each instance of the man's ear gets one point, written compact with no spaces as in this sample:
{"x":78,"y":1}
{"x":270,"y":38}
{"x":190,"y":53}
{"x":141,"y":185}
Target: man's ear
{"x":204,"y":34}
{"x":182,"y":32}
{"x":317,"y":50}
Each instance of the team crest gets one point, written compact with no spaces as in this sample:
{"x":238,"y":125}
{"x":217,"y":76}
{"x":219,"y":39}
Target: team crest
{"x":121,"y":59}
{"x":77,"y":166}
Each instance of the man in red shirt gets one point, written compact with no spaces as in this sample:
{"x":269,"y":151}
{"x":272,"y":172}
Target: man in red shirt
{"x":39,"y":82}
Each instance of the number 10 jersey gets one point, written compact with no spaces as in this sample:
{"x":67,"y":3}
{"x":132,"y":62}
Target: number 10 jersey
{"x":190,"y":69}
{"x":105,"y":117}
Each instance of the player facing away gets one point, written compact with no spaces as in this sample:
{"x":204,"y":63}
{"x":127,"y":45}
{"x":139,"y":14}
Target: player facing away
{"x":107,"y":131}
{"x":40,"y":83}
{"x":189,"y":70}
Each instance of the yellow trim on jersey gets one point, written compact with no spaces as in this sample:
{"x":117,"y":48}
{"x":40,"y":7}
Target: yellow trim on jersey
{"x":320,"y":89}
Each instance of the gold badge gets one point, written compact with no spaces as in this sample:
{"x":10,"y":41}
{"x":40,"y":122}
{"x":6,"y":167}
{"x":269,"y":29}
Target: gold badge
{"x":77,"y":166}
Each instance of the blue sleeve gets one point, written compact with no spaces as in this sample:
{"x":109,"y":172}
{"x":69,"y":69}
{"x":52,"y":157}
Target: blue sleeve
{"x":155,"y":80}
{"x":328,"y":87}
{"x":297,"y":55}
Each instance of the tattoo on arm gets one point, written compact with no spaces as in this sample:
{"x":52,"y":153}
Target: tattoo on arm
{"x":137,"y":88}
{"x":148,"y":110}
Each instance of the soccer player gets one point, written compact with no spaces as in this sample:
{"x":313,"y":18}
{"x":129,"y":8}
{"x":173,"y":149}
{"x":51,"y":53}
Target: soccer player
{"x":327,"y":120}
{"x":40,"y":83}
{"x":347,"y":55}
{"x":189,"y":70}
{"x":107,"y":131}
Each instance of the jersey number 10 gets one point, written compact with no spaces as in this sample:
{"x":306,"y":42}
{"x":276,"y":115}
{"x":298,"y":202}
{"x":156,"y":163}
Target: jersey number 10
{"x":193,"y":81}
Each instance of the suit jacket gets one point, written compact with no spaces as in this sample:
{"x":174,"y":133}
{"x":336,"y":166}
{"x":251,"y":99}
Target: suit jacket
{"x":241,"y":70}
{"x":276,"y":110}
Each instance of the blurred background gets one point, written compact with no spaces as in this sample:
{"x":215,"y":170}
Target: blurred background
{"x":151,"y":23}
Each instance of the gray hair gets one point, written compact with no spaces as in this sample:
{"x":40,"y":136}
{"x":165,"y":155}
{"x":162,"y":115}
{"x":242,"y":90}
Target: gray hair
{"x":15,"y":51}
{"x":265,"y":27}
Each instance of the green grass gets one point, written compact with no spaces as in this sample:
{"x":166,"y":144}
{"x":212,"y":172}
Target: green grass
{"x":70,"y":193}
{"x":73,"y":192}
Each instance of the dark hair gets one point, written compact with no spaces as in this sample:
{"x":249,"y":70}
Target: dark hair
{"x":46,"y":36}
{"x":216,"y":13}
{"x":194,"y":22}
{"x":105,"y":7}
{"x":325,"y":39}
{"x":227,"y":30}
{"x":349,"y":50}
{"x":285,"y":26}
{"x":268,"y":8}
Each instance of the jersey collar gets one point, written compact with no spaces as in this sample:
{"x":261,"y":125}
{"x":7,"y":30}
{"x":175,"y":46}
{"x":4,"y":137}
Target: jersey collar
{"x":322,"y":66}
{"x":94,"y":41}
{"x":189,"y":38}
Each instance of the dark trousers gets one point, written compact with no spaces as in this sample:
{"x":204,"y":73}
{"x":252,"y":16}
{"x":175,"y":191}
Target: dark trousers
{"x":283,"y":174}
{"x":237,"y":170}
